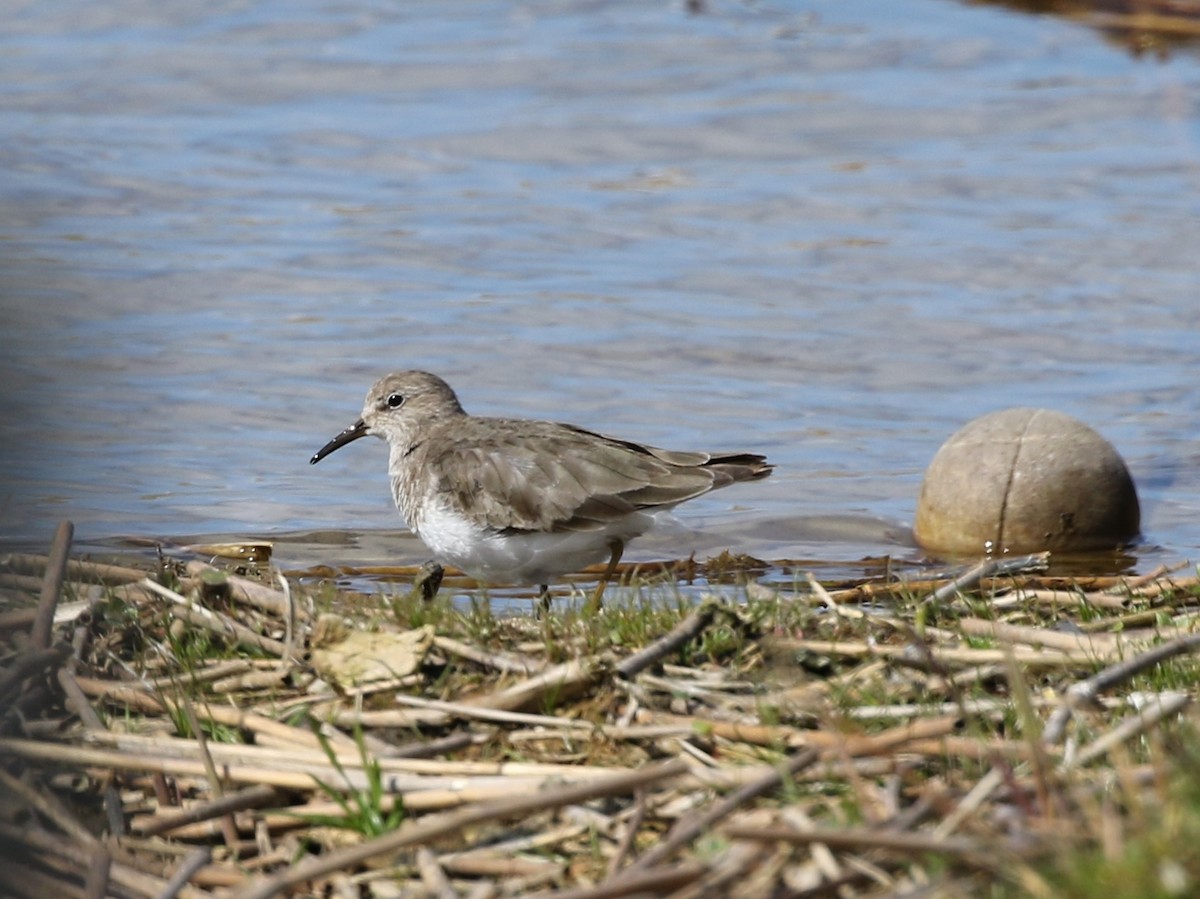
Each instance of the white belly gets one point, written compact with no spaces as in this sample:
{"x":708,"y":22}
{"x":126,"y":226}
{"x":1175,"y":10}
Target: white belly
{"x":524,"y":558}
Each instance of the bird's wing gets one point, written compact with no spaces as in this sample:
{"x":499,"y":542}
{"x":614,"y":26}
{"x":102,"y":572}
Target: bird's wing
{"x":552,"y":477}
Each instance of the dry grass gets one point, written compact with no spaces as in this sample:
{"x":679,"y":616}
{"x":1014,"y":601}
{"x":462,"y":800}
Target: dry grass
{"x":193,"y":732}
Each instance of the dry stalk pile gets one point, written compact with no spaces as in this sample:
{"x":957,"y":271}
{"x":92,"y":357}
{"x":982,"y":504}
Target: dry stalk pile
{"x":191,"y":732}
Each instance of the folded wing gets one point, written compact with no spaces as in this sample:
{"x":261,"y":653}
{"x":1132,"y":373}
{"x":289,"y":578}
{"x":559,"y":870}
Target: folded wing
{"x":577,"y":480}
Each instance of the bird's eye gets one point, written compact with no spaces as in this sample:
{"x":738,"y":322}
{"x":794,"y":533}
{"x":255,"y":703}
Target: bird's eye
{"x":395,"y":401}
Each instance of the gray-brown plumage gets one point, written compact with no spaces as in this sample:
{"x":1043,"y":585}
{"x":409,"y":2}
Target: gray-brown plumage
{"x":519,"y":501}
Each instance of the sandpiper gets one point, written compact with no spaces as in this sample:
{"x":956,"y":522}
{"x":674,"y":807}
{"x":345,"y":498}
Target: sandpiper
{"x":516,"y":501}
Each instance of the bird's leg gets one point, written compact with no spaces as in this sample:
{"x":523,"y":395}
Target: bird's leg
{"x":544,"y":597}
{"x":617,"y":547}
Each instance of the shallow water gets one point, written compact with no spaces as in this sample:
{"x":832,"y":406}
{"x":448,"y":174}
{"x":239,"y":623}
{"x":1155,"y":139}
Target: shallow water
{"x":832,"y":232}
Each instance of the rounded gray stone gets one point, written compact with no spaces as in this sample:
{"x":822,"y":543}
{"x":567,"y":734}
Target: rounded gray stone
{"x":1026,"y":480}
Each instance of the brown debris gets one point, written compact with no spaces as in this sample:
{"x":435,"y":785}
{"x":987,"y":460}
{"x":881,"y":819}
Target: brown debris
{"x":182,"y":734}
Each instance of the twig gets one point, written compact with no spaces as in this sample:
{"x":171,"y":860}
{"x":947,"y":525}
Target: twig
{"x":988,"y":568}
{"x":687,"y":829}
{"x":56,"y":569}
{"x":661,"y":880}
{"x":1133,"y":585}
{"x":289,"y":622}
{"x":424,"y":749}
{"x":827,"y":741}
{"x":822,"y":856}
{"x":479,"y":863}
{"x":250,"y":592}
{"x":49,"y":806}
{"x":831,"y":603}
{"x":80,"y":857}
{"x":970,"y":803}
{"x":556,"y":684}
{"x":484,"y":713}
{"x":861,"y":839}
{"x":214,"y":621}
{"x":498,"y":661}
{"x":77,"y":570}
{"x":19,"y":880}
{"x":78,"y":703}
{"x":688,"y":629}
{"x":432,"y":875}
{"x":195,"y":860}
{"x":96,"y":884}
{"x":1168,"y":585}
{"x":629,"y":837}
{"x":484,"y":890}
{"x":974,"y":707}
{"x":1058,"y":598}
{"x":1030,"y":727}
{"x":163,"y":749}
{"x":141,"y":701}
{"x":1099,"y":644}
{"x":252,"y":797}
{"x":430,"y":829}
{"x":1085,"y":692}
{"x":945,"y":656}
{"x":1159,"y":708}
{"x":26,"y":665}
{"x":215,"y":784}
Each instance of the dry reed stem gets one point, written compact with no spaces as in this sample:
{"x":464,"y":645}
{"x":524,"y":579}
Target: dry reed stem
{"x":1156,"y":710}
{"x":950,"y":657}
{"x":28,"y":664}
{"x":686,"y":630}
{"x":430,"y":829}
{"x":79,"y":571}
{"x":80,"y":857}
{"x":557,"y":684}
{"x":1085,"y":692}
{"x":56,"y":569}
{"x":658,"y":881}
{"x":860,"y":839}
{"x":500,"y":661}
{"x":256,"y":796}
{"x":220,"y":624}
{"x":244,"y":590}
{"x":137,"y":699}
{"x":687,"y":829}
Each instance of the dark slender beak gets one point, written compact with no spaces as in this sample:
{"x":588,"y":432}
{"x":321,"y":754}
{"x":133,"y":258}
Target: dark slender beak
{"x":352,"y":433}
